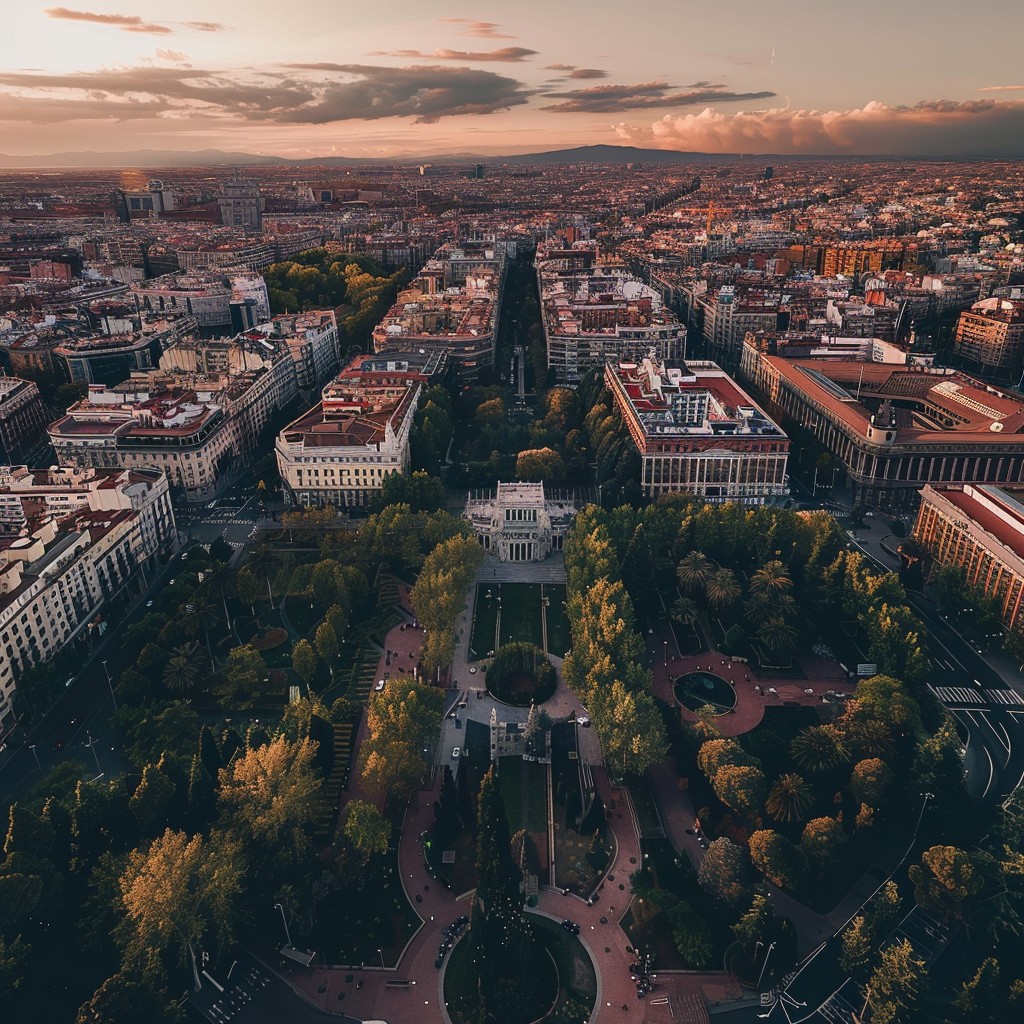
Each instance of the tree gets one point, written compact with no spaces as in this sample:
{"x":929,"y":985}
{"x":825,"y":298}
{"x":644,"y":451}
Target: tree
{"x":870,"y":781}
{"x":690,"y":934}
{"x":250,"y":586}
{"x":182,"y":670}
{"x":948,"y":880}
{"x":540,"y":464}
{"x":304,"y":661}
{"x":755,"y":926}
{"x":327,"y":645}
{"x":778,"y":636}
{"x":501,"y":933}
{"x":778,"y":859}
{"x":268,"y":799}
{"x":178,"y":894}
{"x":630,"y":728}
{"x":772,"y":578}
{"x":896,"y":985}
{"x":858,"y":945}
{"x":818,"y":748}
{"x":684,"y":610}
{"x":979,"y":997}
{"x":244,"y":672}
{"x":789,"y":799}
{"x":723,"y":871}
{"x":722,"y":589}
{"x":367,"y":829}
{"x":822,"y":841}
{"x":694,"y":571}
{"x":152,"y":797}
{"x":14,"y":959}
{"x":741,"y":787}
{"x":122,"y":998}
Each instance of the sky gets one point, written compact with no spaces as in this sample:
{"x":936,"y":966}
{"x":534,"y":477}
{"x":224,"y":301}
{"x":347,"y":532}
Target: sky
{"x":315,"y":78}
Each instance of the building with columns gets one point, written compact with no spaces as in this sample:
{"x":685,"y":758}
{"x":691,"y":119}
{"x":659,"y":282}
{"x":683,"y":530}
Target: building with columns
{"x":699,"y":433}
{"x":981,"y":530}
{"x":516,"y":523}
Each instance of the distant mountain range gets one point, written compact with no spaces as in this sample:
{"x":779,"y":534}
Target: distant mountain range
{"x":156,"y":158}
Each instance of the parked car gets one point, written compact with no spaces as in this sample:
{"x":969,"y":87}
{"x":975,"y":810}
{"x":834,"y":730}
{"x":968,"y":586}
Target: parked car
{"x":456,"y":752}
{"x":379,"y":686}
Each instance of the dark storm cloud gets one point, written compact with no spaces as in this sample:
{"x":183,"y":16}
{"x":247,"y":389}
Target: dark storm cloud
{"x":608,"y":99}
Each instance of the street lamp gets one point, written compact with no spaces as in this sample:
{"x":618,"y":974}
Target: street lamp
{"x":665,"y":643}
{"x":110,"y":685}
{"x":36,"y":756}
{"x":284,"y":921}
{"x":92,"y":746}
{"x":381,"y":951}
{"x":767,"y":956}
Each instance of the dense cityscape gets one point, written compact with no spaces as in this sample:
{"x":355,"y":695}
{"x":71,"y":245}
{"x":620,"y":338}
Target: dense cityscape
{"x":491,"y":592}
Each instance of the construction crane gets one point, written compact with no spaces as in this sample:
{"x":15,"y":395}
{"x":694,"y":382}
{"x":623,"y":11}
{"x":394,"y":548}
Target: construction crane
{"x":711,"y":209}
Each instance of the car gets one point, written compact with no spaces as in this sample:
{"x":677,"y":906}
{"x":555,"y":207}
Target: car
{"x":379,"y":686}
{"x":149,"y":604}
{"x":472,"y":670}
{"x":462,"y":703}
{"x":583,"y":720}
{"x":171,"y":583}
{"x":456,"y":753}
{"x":439,"y":961}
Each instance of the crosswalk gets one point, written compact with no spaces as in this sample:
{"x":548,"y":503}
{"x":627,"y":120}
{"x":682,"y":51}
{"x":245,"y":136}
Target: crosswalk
{"x":976,"y":698}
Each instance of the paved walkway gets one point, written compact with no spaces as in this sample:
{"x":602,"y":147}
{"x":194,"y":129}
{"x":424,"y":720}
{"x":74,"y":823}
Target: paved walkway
{"x":365,"y":992}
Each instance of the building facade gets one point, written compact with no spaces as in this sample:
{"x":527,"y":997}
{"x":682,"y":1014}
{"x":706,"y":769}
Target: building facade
{"x":341,"y":451}
{"x":198,"y":418}
{"x":75,"y":545}
{"x":517,"y":523}
{"x":699,"y":433}
{"x":22,"y":414}
{"x":980,"y":530}
{"x":990,"y":338}
{"x":896,"y":428}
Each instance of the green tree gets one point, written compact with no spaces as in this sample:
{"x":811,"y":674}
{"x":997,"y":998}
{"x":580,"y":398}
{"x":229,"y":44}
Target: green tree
{"x":723,"y":871}
{"x":858,"y":946}
{"x":244,"y":673}
{"x":948,"y":881}
{"x":741,"y":787}
{"x":871,"y":781}
{"x":691,"y":934}
{"x":366,"y":829}
{"x":123,"y":998}
{"x":822,"y":841}
{"x":152,"y":798}
{"x":304,"y":661}
{"x":818,"y":748}
{"x":268,"y":798}
{"x":540,"y":464}
{"x":772,"y":578}
{"x":790,"y":798}
{"x":694,"y":572}
{"x":896,"y":985}
{"x":722,"y":589}
{"x":14,"y":960}
{"x":327,"y":645}
{"x":182,"y":670}
{"x":979,"y":997}
{"x":779,"y":860}
{"x":177,"y":894}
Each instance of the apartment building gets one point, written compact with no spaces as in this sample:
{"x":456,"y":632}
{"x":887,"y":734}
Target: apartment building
{"x":75,"y":545}
{"x":451,"y":306}
{"x":981,"y":530}
{"x":340,"y":451}
{"x":989,"y":337}
{"x":22,"y":414}
{"x":602,"y":312}
{"x":206,"y":295}
{"x":198,"y":417}
{"x":311,"y":339}
{"x":699,"y":433}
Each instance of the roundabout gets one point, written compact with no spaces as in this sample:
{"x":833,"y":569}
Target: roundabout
{"x":697,"y":690}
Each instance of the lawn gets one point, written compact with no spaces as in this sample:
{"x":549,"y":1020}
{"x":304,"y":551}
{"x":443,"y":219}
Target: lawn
{"x":520,"y":613}
{"x":485,"y":621}
{"x":524,"y":790}
{"x":559,"y":639}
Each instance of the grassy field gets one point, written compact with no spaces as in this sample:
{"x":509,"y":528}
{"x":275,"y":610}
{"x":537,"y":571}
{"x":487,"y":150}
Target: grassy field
{"x":520,"y":613}
{"x":485,"y":620}
{"x":559,"y":639}
{"x":524,"y":790}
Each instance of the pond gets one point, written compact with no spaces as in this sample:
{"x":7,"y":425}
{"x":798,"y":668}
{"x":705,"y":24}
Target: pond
{"x":699,"y":689}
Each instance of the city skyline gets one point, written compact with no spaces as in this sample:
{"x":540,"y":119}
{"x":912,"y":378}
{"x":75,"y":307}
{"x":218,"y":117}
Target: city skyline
{"x":789,"y":79}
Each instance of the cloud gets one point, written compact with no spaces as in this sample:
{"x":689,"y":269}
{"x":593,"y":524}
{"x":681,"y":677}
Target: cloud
{"x":174,"y":56}
{"x":128,"y":22}
{"x":932,"y":128}
{"x":588,"y":73}
{"x":125,"y":22}
{"x":559,"y":67}
{"x":480,"y":29}
{"x":606,"y":99}
{"x":341,"y":92}
{"x":508,"y":54}
{"x":1000,"y":88}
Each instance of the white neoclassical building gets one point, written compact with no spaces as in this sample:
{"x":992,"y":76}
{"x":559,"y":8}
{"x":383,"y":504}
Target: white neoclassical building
{"x":517,"y":523}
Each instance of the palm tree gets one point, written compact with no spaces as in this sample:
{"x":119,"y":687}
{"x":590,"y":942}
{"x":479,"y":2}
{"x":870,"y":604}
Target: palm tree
{"x":694,"y":571}
{"x":818,"y":748}
{"x":182,"y":669}
{"x":777,"y":635}
{"x":684,"y":610}
{"x":760,"y":608}
{"x":722,"y":589}
{"x":195,"y":618}
{"x":220,"y":578}
{"x":789,"y":798}
{"x":772,"y":578}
